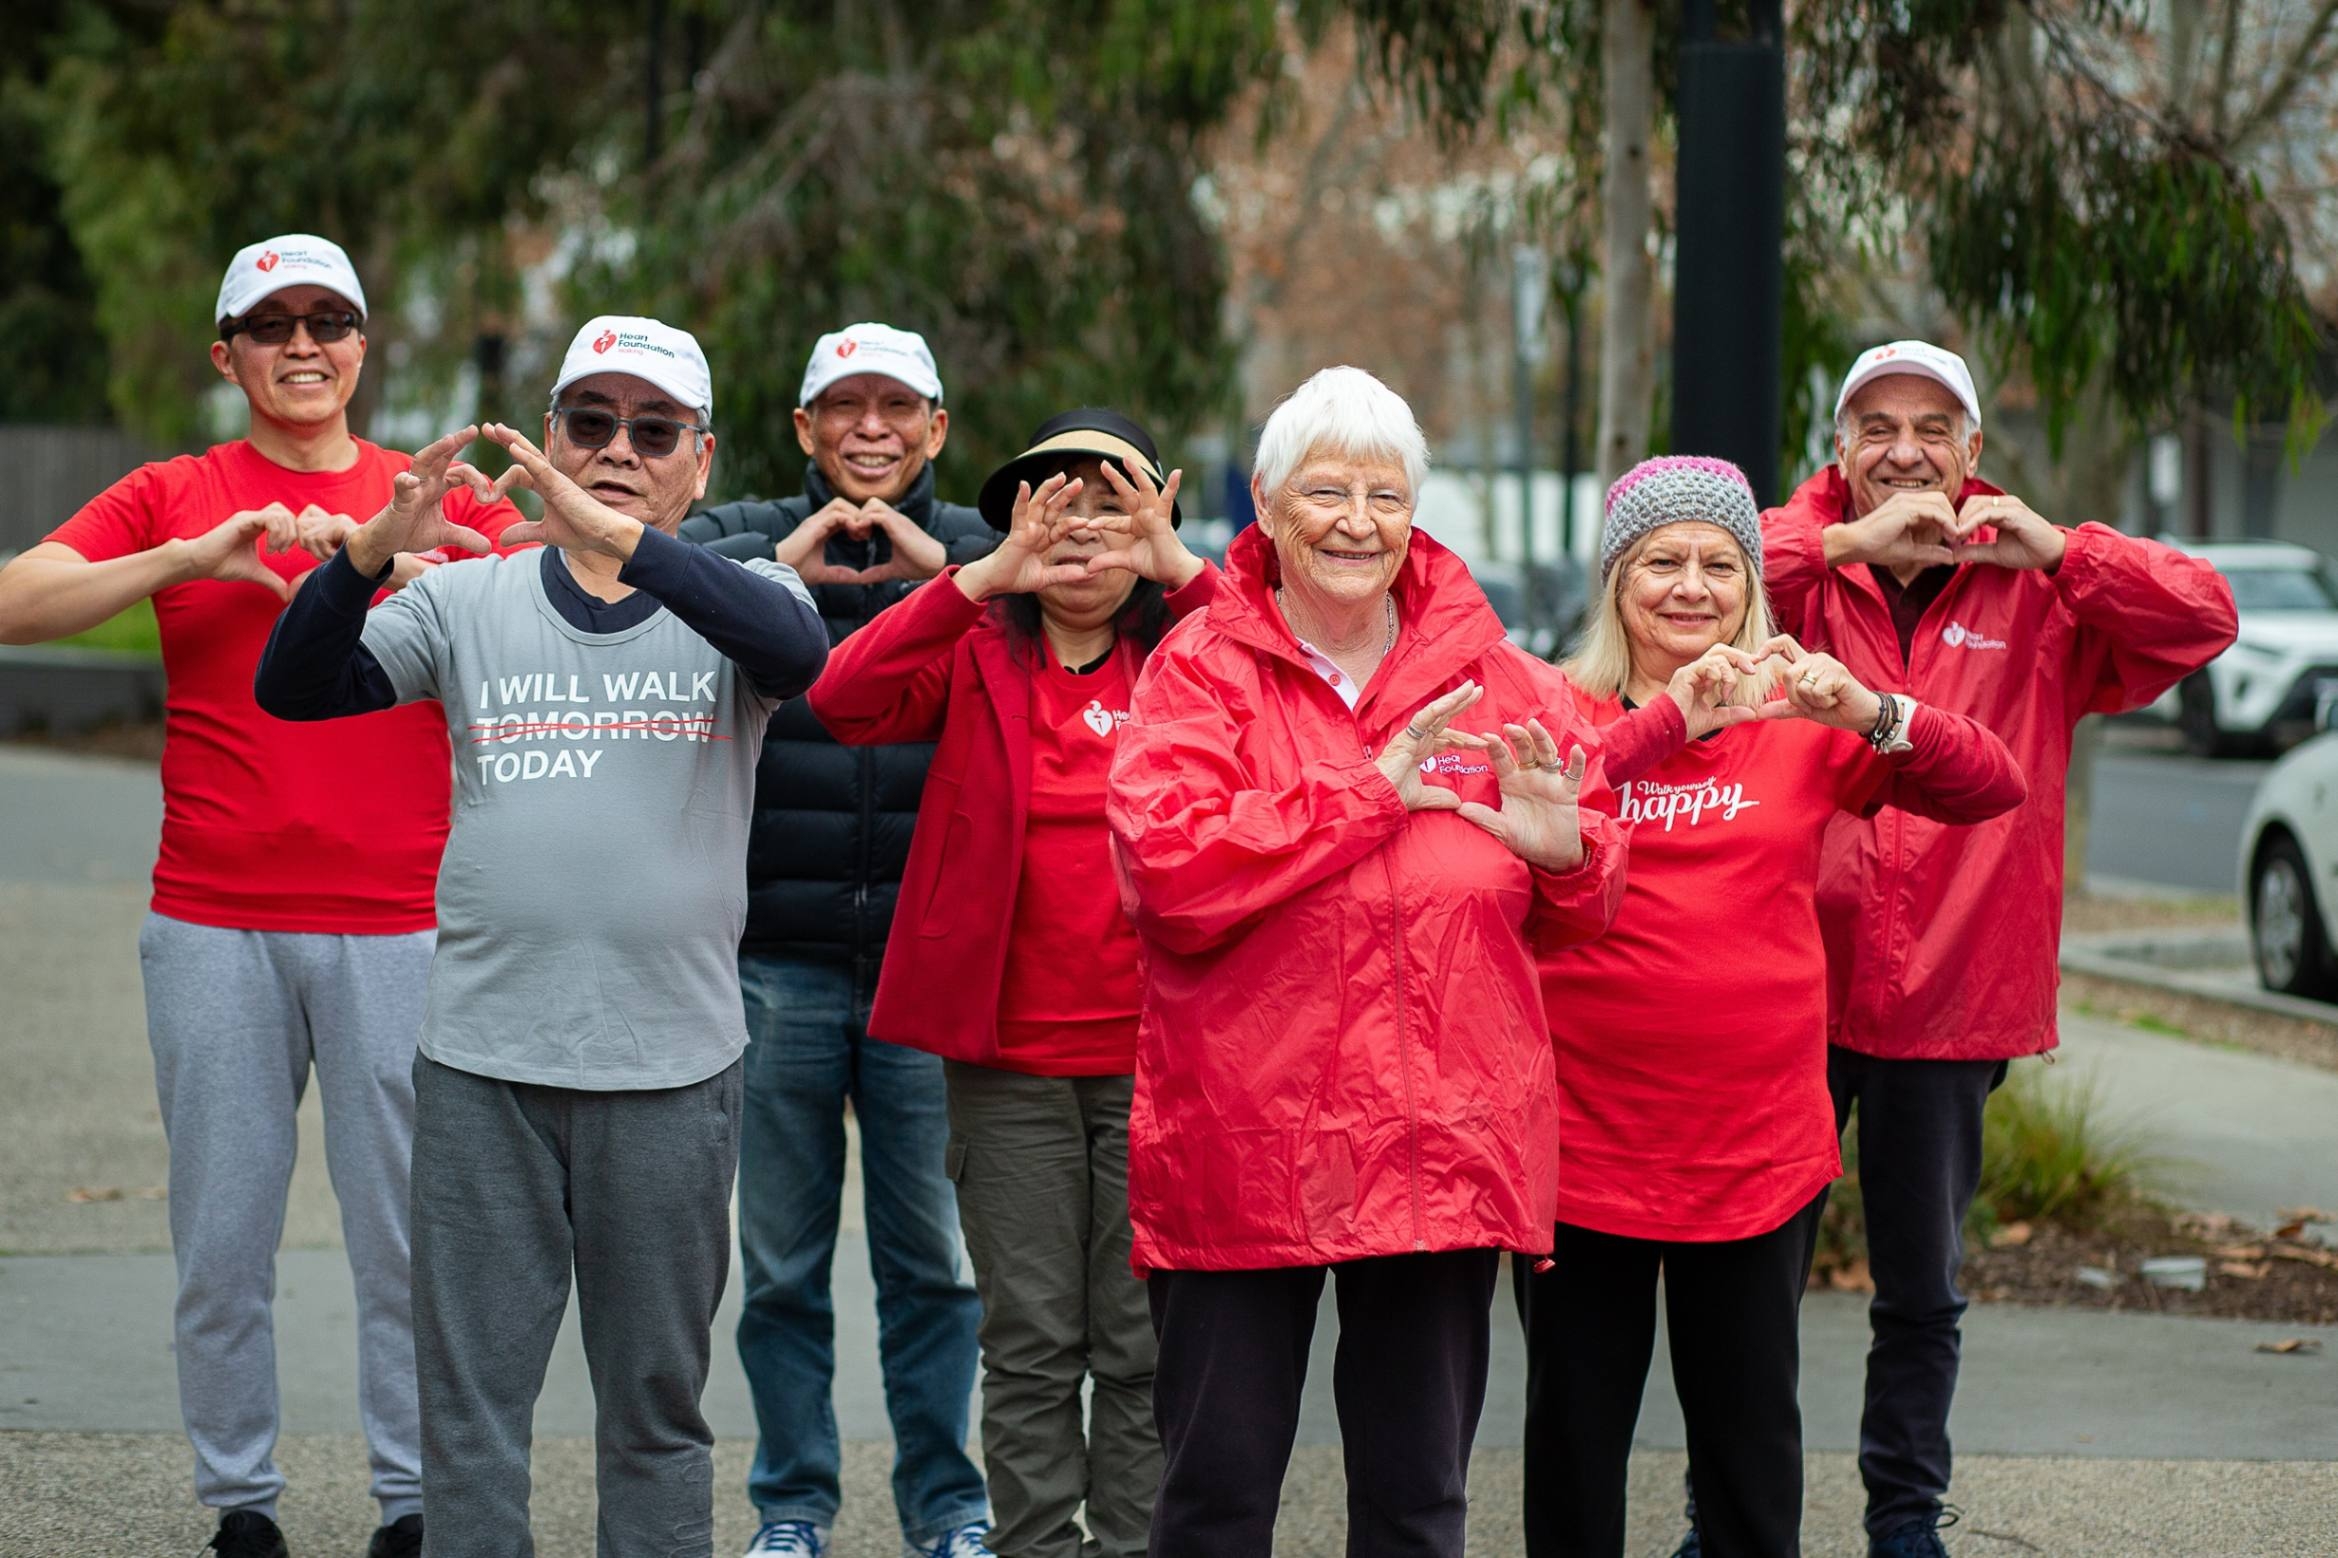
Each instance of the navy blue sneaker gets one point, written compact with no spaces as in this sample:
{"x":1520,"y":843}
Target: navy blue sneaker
{"x":1916,"y":1539}
{"x":1689,"y":1546}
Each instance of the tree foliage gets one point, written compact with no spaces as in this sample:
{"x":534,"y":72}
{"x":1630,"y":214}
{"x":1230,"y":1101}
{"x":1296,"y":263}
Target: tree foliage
{"x":1017,"y":178}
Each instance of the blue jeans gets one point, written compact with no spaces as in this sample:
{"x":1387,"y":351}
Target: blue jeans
{"x":808,"y":1053}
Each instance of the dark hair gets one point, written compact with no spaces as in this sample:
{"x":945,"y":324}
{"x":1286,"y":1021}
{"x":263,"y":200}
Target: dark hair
{"x":1142,"y":619}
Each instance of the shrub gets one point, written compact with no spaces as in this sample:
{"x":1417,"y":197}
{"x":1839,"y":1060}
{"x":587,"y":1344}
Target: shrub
{"x":2047,"y":1156}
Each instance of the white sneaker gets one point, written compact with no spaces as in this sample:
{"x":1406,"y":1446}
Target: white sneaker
{"x":788,"y":1539}
{"x":957,"y":1542}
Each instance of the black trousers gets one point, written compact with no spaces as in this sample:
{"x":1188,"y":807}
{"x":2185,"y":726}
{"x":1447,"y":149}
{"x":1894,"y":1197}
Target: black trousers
{"x":1918,"y":1170}
{"x":1731,"y":1313}
{"x":1409,"y":1379}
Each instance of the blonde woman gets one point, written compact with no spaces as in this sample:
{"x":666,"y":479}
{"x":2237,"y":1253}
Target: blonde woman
{"x":1696,"y":1137}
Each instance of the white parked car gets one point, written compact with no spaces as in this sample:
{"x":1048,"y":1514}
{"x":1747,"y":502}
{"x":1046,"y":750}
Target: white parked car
{"x":2289,"y":871}
{"x":2280,"y":677}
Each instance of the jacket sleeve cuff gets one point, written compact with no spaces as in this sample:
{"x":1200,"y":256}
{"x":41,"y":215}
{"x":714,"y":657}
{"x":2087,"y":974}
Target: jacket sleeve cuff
{"x":1195,"y":593}
{"x":1642,"y":739}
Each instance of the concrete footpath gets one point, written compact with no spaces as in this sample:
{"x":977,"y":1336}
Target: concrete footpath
{"x":2077,"y":1432}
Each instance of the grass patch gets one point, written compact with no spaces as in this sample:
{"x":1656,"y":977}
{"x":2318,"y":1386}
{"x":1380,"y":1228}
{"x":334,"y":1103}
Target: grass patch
{"x":2151,"y":1022}
{"x":133,"y":632}
{"x":2047,"y":1157}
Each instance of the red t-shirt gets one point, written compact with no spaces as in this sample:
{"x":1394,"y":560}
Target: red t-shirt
{"x":268,"y":825}
{"x":1691,"y":1038}
{"x":1068,"y":1000}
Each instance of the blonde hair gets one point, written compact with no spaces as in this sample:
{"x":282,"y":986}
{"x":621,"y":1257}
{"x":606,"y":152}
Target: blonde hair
{"x":1601,"y":662}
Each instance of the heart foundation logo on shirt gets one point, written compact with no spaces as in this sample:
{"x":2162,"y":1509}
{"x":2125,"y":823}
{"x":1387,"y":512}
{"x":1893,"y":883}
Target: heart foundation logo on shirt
{"x":1957,"y":636}
{"x":267,"y":262}
{"x":1099,"y":718}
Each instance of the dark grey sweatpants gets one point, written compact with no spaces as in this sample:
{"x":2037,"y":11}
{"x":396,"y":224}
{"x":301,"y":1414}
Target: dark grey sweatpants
{"x":515,"y":1185}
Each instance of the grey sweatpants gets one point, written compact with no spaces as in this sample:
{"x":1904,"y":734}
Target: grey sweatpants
{"x":1041,"y":1166}
{"x":514,"y":1186}
{"x":237,"y":1018}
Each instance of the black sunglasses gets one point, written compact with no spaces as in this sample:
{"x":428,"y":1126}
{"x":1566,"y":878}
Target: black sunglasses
{"x":589,"y":427}
{"x":276,"y":329}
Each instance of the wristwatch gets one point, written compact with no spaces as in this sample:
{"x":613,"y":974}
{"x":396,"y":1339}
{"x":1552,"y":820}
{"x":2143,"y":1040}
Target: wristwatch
{"x":1890,"y":734}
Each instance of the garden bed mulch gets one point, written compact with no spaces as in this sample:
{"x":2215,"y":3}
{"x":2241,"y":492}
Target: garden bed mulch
{"x":2286,"y":1275}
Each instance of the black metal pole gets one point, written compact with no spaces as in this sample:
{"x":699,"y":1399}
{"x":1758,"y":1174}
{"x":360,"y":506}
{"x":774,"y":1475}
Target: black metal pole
{"x":1729,"y":273}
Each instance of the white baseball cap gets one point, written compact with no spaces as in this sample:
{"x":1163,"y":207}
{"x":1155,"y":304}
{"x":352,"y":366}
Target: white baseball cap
{"x":291,"y":260}
{"x":1921,"y":358}
{"x":900,"y":355}
{"x":648,"y":350}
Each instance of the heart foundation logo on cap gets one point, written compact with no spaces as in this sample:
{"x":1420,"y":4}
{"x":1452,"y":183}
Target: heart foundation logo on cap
{"x":607,"y":339}
{"x":266,"y":261}
{"x":1882,"y":352}
{"x":847,"y":346}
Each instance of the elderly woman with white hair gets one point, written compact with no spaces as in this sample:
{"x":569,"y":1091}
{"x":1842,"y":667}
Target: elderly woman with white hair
{"x":1696,"y":1140}
{"x":1342,"y":1066}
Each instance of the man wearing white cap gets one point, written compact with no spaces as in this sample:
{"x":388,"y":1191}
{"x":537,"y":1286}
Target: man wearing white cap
{"x":292,"y":914}
{"x":577,"y":1095}
{"x":831,"y":838}
{"x":1941,"y":942}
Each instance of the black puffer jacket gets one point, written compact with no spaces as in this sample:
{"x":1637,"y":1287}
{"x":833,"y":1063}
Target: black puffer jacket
{"x":832,"y":823}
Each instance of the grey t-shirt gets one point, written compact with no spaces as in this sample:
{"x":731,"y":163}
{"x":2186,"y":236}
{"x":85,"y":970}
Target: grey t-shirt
{"x":594,"y":883}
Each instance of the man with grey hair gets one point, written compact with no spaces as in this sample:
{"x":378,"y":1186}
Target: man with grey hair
{"x":1941,"y":942}
{"x":578,"y":1092}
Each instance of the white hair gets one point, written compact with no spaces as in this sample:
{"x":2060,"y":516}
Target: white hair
{"x":1345,"y":412}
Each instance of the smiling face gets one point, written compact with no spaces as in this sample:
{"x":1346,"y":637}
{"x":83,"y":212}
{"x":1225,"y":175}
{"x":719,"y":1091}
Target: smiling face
{"x":1340,"y":529}
{"x":301,"y":383}
{"x":658,"y":492}
{"x":1904,"y":433}
{"x":870,"y":435}
{"x":1093,"y":601}
{"x":1680,"y":590}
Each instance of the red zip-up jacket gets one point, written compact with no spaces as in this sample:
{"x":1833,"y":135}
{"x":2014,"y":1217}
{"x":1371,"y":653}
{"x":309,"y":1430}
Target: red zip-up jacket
{"x":938,"y":667}
{"x":1342,"y":1051}
{"x":1943,"y":942}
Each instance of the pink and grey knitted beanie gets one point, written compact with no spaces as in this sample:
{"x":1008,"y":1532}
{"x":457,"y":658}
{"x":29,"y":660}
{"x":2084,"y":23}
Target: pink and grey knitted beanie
{"x":1674,"y":488}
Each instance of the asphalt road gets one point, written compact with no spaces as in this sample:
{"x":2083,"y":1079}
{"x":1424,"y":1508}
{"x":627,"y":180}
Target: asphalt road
{"x":2164,"y":817}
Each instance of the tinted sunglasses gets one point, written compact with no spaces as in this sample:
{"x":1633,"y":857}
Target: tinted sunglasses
{"x":276,"y":329}
{"x":589,"y":427}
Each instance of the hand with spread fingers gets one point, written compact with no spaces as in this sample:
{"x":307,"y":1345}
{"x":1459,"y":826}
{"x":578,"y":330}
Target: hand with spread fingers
{"x":1537,"y":819}
{"x":574,"y":520}
{"x":1705,"y":685}
{"x":1422,"y":737}
{"x":2023,"y":539}
{"x":1819,"y":688}
{"x":1144,"y":534}
{"x":414,"y":520}
{"x":1018,"y":565}
{"x":1910,"y":530}
{"x":231,"y":548}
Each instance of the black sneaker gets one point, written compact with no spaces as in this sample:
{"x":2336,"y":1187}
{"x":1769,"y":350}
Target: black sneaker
{"x":248,"y":1534}
{"x":402,"y":1538}
{"x":1689,"y":1546}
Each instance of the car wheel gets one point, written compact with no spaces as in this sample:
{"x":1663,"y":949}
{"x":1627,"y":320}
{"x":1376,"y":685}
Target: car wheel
{"x":2196,"y":716}
{"x":2286,"y":931}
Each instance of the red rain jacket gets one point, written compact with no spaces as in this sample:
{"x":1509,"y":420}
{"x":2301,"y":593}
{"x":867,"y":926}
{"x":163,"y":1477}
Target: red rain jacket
{"x":1942,"y":942}
{"x":1343,"y":1051}
{"x":937,"y":667}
